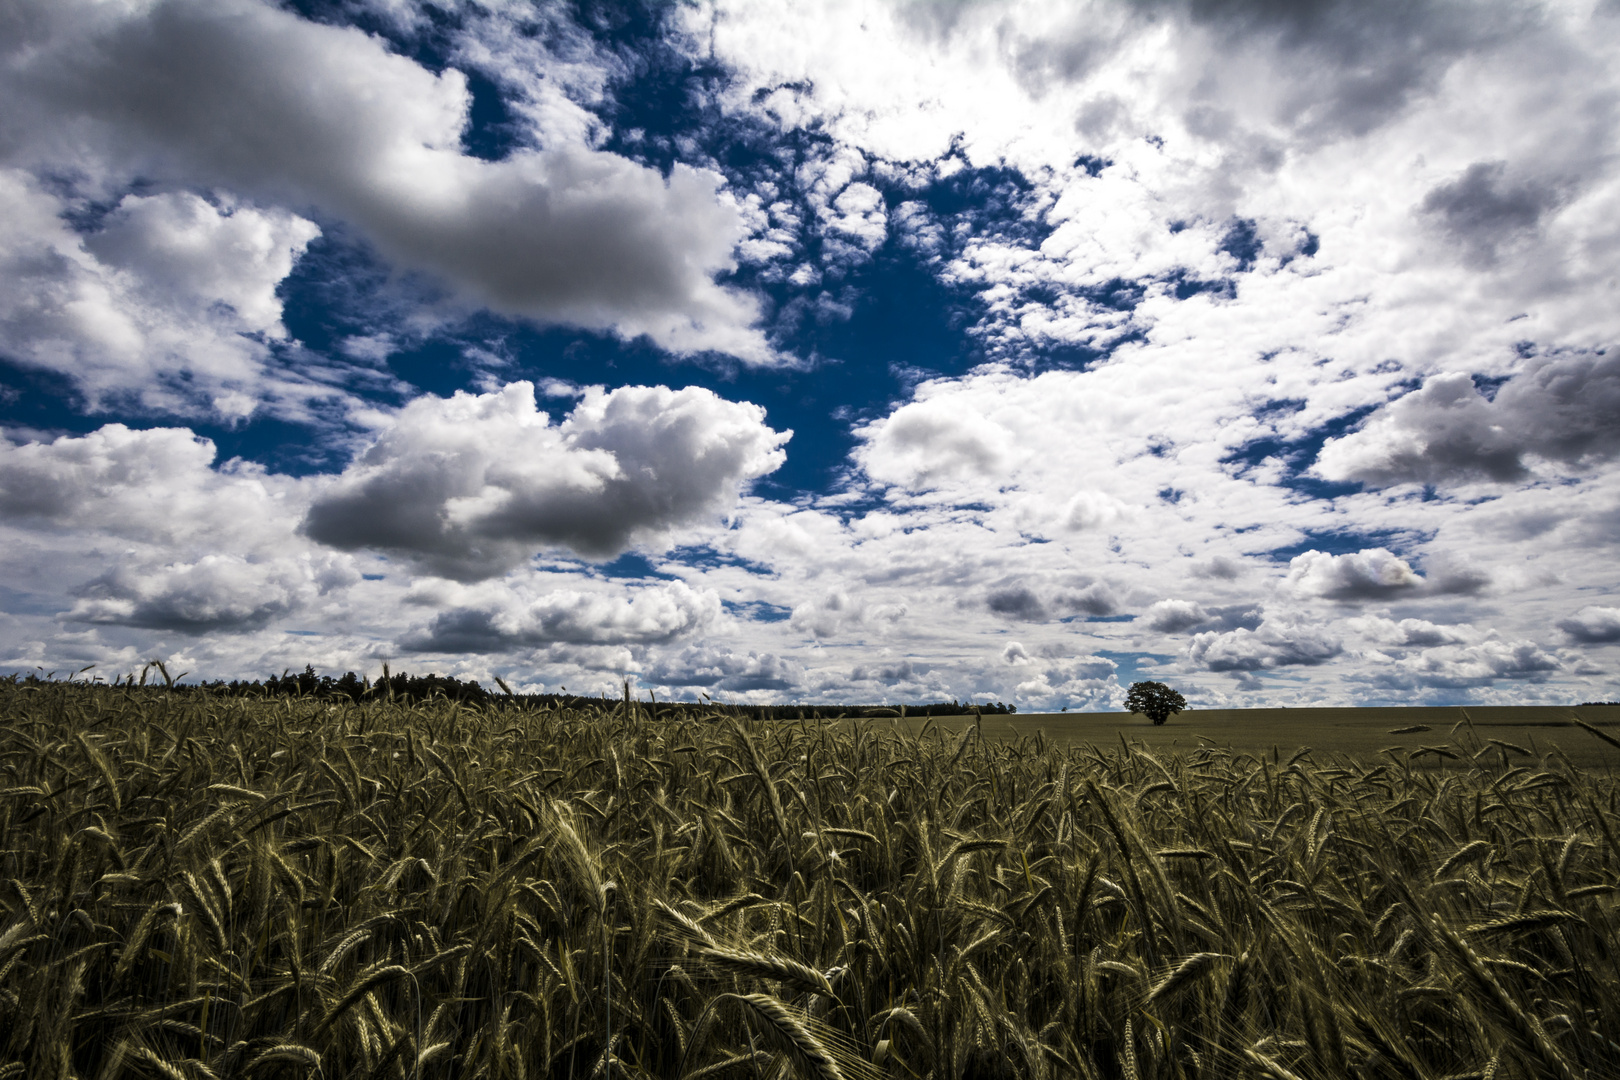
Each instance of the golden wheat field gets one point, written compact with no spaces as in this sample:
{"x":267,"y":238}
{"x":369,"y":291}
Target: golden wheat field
{"x":198,"y":887}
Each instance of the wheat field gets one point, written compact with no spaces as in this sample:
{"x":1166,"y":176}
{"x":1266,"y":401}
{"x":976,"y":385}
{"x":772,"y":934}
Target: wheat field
{"x":195,"y":886}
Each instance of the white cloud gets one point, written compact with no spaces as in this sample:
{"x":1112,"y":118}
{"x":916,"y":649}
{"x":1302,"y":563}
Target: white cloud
{"x":933,"y":440}
{"x":1430,"y":184}
{"x":1246,"y":104}
{"x":722,"y":669}
{"x":1369,"y":574}
{"x":1093,"y":510}
{"x":157,"y":486}
{"x":170,"y":303}
{"x":473,"y":485}
{"x":858,"y":214}
{"x":141,"y":530}
{"x":1080,"y":682}
{"x":893,"y":673}
{"x":217,"y":593}
{"x":502,"y":619}
{"x":835,"y":613}
{"x":919,"y":228}
{"x":186,"y":250}
{"x":1459,"y":666}
{"x":245,"y":95}
{"x":1410,"y":632}
{"x":1273,"y":644}
{"x":1015,"y":654}
{"x":1174,"y":616}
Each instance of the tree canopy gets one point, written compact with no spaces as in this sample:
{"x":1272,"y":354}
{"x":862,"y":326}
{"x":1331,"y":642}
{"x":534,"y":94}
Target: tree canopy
{"x":1154,"y":700}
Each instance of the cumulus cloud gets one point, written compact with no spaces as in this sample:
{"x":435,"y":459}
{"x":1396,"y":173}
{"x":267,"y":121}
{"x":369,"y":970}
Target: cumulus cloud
{"x":858,"y":215}
{"x":1174,"y":616}
{"x":1025,"y":604}
{"x":1077,"y":681}
{"x":1219,"y":568}
{"x":1558,"y":408}
{"x":1273,"y":644}
{"x":246,"y":95}
{"x":1456,"y":666}
{"x":171,"y":541}
{"x":472,"y":485}
{"x":1419,"y":633}
{"x":1017,"y":654}
{"x":934,"y":440}
{"x":1593,"y":625}
{"x":217,"y":593}
{"x":1179,"y":616}
{"x":169,"y":304}
{"x":1483,"y":211}
{"x":644,"y":615}
{"x":722,"y":669}
{"x":835,"y":611}
{"x":1369,"y":574}
{"x":891,"y":673}
{"x":156,"y":486}
{"x":1093,"y":510}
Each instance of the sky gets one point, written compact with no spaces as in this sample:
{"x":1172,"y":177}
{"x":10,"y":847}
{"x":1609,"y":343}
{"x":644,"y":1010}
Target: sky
{"x":817,"y":352}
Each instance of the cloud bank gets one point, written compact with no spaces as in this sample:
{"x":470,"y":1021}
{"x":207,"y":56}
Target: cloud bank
{"x":471,"y":486}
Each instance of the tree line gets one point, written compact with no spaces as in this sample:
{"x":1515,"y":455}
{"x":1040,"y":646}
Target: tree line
{"x":403,"y":687}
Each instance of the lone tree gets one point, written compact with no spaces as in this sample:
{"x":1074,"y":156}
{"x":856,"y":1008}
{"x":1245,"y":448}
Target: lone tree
{"x":1154,"y":700}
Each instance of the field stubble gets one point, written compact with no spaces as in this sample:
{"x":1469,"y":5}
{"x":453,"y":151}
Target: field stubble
{"x":198,"y":887}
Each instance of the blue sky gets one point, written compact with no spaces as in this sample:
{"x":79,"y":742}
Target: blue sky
{"x":883,"y":351}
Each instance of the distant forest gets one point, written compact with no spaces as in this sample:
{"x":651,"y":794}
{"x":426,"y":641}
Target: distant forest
{"x":403,"y":687}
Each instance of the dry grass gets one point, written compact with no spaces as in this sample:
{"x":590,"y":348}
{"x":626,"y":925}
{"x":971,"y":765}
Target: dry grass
{"x":194,"y":887}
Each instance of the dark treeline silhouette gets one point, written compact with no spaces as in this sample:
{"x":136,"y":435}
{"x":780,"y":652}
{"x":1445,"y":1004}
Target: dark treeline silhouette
{"x":403,"y":687}
{"x":396,"y":686}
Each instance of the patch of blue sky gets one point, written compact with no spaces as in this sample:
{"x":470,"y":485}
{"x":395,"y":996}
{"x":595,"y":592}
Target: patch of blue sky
{"x":1136,"y":666}
{"x":1186,"y":286}
{"x":757,"y":611}
{"x":708,"y":558}
{"x":1092,"y":164}
{"x":631,"y":565}
{"x":38,"y":405}
{"x":1242,"y":242}
{"x":1348,"y":541}
{"x":41,"y":404}
{"x":1299,"y":454}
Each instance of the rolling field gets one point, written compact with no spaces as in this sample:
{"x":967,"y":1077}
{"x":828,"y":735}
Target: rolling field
{"x":195,"y":887}
{"x":1360,"y":732}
